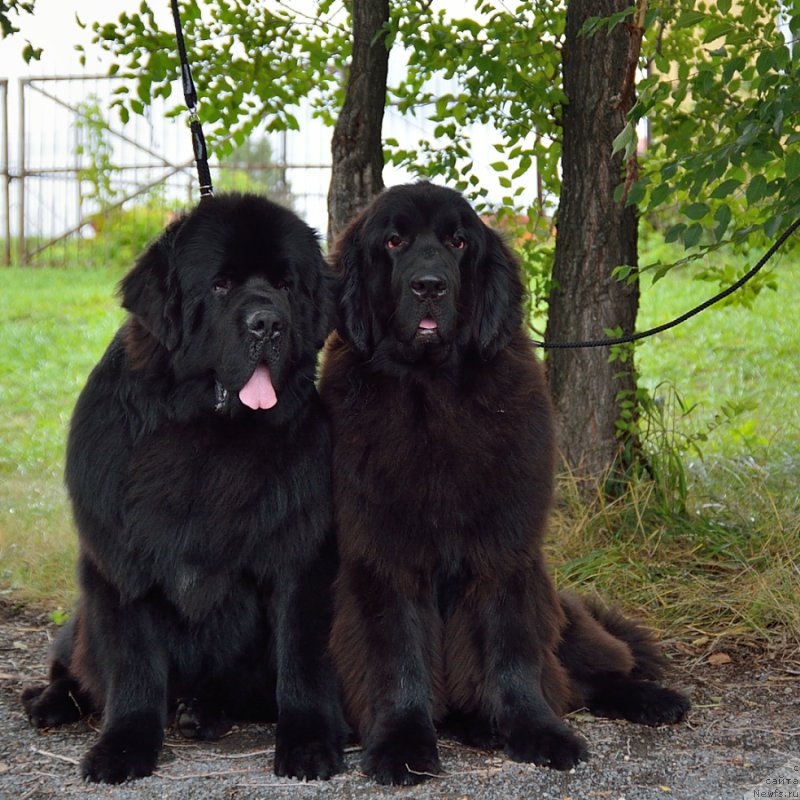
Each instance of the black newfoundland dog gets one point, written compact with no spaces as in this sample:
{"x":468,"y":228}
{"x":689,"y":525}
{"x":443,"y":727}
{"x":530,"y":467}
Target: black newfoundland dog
{"x":443,"y":476}
{"x":198,"y":465}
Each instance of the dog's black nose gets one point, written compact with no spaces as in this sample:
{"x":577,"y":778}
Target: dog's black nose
{"x":264,"y":323}
{"x":429,"y":287}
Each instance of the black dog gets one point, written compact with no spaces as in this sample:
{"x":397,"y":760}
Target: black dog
{"x":198,"y":469}
{"x":443,"y":477}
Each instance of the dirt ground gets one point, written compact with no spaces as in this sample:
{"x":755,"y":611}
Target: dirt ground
{"x":742,"y":739}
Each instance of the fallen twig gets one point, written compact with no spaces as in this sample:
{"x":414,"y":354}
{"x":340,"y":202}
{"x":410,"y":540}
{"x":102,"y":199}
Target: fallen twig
{"x":56,"y":756}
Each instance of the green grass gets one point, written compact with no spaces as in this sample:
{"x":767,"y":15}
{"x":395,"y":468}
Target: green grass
{"x":54,"y":325}
{"x":727,"y":562}
{"x":735,"y":357}
{"x":722,"y":563}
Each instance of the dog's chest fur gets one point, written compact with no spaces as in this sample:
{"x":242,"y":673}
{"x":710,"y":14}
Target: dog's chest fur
{"x":428,"y":459}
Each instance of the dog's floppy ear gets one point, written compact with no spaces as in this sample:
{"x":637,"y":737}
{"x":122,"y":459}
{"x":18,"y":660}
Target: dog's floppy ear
{"x":500,"y":294}
{"x":151,"y":292}
{"x":354,"y":318}
{"x":324,"y":303}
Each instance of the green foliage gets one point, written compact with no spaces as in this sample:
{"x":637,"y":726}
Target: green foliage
{"x":121,"y":234}
{"x":503,"y":69}
{"x":723,"y":101}
{"x":721,"y":96}
{"x":250,"y":168}
{"x":121,"y":231}
{"x":7,"y":26}
{"x":248,"y":67}
{"x":93,"y":145}
{"x":59,"y":616}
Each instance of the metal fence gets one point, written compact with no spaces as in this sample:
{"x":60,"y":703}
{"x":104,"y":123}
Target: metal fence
{"x":79,"y":186}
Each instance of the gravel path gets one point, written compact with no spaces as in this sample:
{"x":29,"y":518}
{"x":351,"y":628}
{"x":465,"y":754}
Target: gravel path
{"x":742,"y":739}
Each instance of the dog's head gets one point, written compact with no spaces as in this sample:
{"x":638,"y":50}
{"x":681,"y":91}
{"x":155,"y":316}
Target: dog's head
{"x":422,"y":275}
{"x":237,"y":292}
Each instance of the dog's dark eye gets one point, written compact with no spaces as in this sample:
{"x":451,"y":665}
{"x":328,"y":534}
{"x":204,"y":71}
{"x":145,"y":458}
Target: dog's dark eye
{"x":222,"y":286}
{"x":457,"y":241}
{"x":394,"y":241}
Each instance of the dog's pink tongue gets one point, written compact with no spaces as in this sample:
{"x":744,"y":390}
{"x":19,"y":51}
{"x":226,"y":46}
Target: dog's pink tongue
{"x":428,"y":324}
{"x":258,"y":392}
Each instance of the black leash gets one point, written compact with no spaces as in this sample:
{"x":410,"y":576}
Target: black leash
{"x":190,"y":95}
{"x":634,"y":337}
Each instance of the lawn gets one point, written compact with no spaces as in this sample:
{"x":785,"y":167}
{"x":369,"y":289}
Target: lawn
{"x":734,"y":357}
{"x":54,"y":324}
{"x":728,"y":406}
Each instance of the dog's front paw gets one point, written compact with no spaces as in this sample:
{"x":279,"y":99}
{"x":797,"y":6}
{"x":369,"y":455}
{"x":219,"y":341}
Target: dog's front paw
{"x":551,"y":745}
{"x":318,"y":760}
{"x":307,"y":748}
{"x":124,"y":752}
{"x":405,"y":754}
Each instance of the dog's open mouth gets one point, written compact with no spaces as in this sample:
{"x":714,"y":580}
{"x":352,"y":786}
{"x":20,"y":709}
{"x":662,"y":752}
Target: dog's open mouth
{"x":428,"y":327}
{"x":258,"y":392}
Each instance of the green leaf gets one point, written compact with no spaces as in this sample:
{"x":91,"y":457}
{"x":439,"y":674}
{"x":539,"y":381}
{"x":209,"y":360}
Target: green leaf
{"x":636,"y":194}
{"x":31,"y":53}
{"x":659,"y":194}
{"x":696,"y":210}
{"x":689,"y":18}
{"x":692,"y":235}
{"x":723,"y":6}
{"x":717,"y":30}
{"x":669,"y":171}
{"x":675,"y":232}
{"x":723,"y":218}
{"x":765,"y":62}
{"x":756,"y":190}
{"x":773,"y":225}
{"x":793,"y":166}
{"x":725,"y":189}
{"x":624,"y":139}
{"x":734,"y":65}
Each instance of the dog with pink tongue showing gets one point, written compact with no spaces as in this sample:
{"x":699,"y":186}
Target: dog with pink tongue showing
{"x":198,"y":466}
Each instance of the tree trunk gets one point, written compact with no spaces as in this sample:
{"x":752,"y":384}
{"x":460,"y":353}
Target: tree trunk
{"x":357,"y":147}
{"x":594,"y":235}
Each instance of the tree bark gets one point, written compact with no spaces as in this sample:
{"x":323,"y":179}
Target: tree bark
{"x":594,"y":235}
{"x":357,"y":146}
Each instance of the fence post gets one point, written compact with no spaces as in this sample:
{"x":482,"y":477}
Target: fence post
{"x":6,"y":178}
{"x":21,"y":246}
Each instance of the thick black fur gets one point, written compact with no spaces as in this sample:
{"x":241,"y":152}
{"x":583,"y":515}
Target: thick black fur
{"x":445,"y":612}
{"x":206,"y":542}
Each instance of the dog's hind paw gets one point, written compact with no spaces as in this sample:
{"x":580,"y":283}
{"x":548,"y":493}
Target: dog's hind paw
{"x":57,"y":703}
{"x":643,"y":702}
{"x":196,"y":720}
